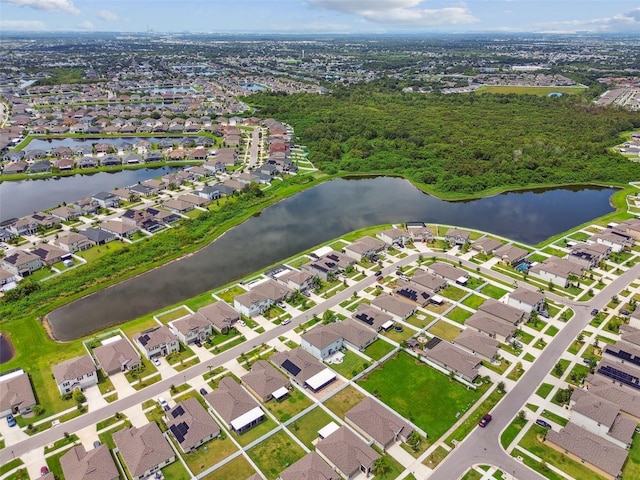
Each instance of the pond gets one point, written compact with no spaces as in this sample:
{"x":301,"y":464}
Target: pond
{"x":315,"y":216}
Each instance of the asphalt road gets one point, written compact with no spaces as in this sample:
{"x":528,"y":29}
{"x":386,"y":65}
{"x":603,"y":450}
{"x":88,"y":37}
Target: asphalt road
{"x":482,"y":446}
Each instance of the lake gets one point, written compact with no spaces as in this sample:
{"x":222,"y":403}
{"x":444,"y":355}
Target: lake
{"x":20,"y":198}
{"x":315,"y":216}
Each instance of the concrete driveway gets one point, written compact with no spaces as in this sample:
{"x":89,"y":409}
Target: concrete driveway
{"x":122,"y":385}
{"x":95,"y":400}
{"x":11,"y":435}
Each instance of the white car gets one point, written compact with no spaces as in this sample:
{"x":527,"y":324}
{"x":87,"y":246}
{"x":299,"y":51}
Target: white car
{"x":156,"y":361}
{"x":241,"y":323}
{"x":163,"y":403}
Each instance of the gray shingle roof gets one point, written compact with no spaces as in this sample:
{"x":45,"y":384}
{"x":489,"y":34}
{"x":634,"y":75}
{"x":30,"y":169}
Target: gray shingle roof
{"x":346,"y":451}
{"x":378,"y":422}
{"x":96,"y":464}
{"x":142,"y":448}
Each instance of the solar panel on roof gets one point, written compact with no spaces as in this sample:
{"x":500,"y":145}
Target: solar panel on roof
{"x":180,"y":431}
{"x":291,"y":367}
{"x":176,"y":412}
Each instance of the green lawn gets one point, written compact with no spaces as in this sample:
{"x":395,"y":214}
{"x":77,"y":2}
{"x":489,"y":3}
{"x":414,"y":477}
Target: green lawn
{"x":209,"y":454}
{"x":473,"y":301}
{"x":511,"y":432}
{"x":176,"y":471}
{"x":492,"y":291}
{"x":378,"y":349}
{"x":275,"y":454}
{"x":452,"y":292}
{"x":631,"y":467}
{"x":544,"y":390}
{"x":344,"y":400}
{"x":554,"y":417}
{"x":351,"y":365}
{"x":237,"y":468}
{"x":230,"y":293}
{"x":459,"y":315}
{"x":557,"y":372}
{"x":167,"y":317}
{"x":472,"y":420}
{"x":551,"y":331}
{"x":444,"y":330}
{"x":535,"y":465}
{"x":394,"y":468}
{"x":254,"y":433}
{"x":472,"y":475}
{"x":287,"y":408}
{"x":405,"y":384}
{"x":531,"y":442}
{"x":306,"y":427}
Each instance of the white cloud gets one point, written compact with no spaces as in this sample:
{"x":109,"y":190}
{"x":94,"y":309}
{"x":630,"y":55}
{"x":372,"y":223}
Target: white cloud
{"x":108,"y":15}
{"x":86,"y":25}
{"x":48,"y":5}
{"x":620,"y":22}
{"x":409,"y":13}
{"x":22,"y":25}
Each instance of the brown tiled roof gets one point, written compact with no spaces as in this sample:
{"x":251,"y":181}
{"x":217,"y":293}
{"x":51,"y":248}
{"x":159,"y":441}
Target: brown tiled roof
{"x":309,"y":467}
{"x":377,"y":421}
{"x":502,"y":311}
{"x":393,"y":305}
{"x":307,"y":364}
{"x":321,"y":336}
{"x":220,"y":314}
{"x":527,"y":296}
{"x":491,"y":326}
{"x":142,"y":448}
{"x":229,"y":400}
{"x":195,"y":321}
{"x":16,"y":392}
{"x":96,"y":464}
{"x":454,"y":358}
{"x":346,"y":451}
{"x":113,"y":355}
{"x":264,"y":379}
{"x":73,"y":368}
{"x":477,"y":342}
{"x":354,"y":332}
{"x":190,"y":423}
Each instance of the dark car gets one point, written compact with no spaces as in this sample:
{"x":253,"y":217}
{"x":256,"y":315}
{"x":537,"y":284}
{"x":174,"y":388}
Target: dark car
{"x":594,"y":312}
{"x":203,"y":391}
{"x":377,"y":274}
{"x":624,"y":312}
{"x":484,"y":421}
{"x":97,"y":443}
{"x":542,"y":423}
{"x":43,"y":471}
{"x":198,"y":343}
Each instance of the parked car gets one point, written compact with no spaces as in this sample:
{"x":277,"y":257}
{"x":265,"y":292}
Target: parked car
{"x":286,"y":321}
{"x":156,"y":361}
{"x":198,"y":343}
{"x":544,"y":314}
{"x":624,"y":312}
{"x":542,"y":423}
{"x":97,"y":443}
{"x":241,"y":323}
{"x":163,"y":403}
{"x":484,"y":421}
{"x":594,"y":312}
{"x":377,"y":274}
{"x":203,"y":391}
{"x":11,"y":420}
{"x":516,"y":344}
{"x":43,"y":470}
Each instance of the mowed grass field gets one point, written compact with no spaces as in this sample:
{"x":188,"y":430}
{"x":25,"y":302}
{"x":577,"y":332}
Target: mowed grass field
{"x":420,"y":393}
{"x":530,"y":90}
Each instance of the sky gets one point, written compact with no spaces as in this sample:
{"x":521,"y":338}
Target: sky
{"x":322,"y":16}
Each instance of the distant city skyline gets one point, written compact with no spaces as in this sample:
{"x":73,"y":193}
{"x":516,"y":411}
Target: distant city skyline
{"x":322,"y":16}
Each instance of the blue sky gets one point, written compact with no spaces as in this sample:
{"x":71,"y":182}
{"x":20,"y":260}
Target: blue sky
{"x":325,"y":16}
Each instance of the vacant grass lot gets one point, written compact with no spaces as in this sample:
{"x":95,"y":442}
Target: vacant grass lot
{"x":405,"y":384}
{"x":275,"y":454}
{"x":306,"y":427}
{"x":444,"y":330}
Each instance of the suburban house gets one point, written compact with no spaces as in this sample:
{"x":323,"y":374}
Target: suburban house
{"x":309,"y":467}
{"x":630,"y":227}
{"x":16,"y":393}
{"x":486,"y":245}
{"x":394,"y":236}
{"x":158,"y":341}
{"x":373,"y":317}
{"x":502,"y":311}
{"x":106,"y":199}
{"x":556,"y":270}
{"x":354,"y":333}
{"x":72,"y":242}
{"x":393,"y":305}
{"x":428,"y":280}
{"x":304,"y":369}
{"x":115,"y":355}
{"x":600,"y":455}
{"x":261,"y":297}
{"x":510,"y":254}
{"x":21,"y":263}
{"x":7,"y":280}
{"x":455,"y":236}
{"x":321,"y":341}
{"x":95,"y":464}
{"x":330,"y":263}
{"x":65,"y":213}
{"x":527,"y":300}
{"x":176,"y":205}
{"x":265,"y":382}
{"x":494,"y":327}
{"x":419,"y":232}
{"x":365,"y":247}
{"x":235,"y":406}
{"x":453,"y":359}
{"x":611,"y":239}
{"x":347,"y":453}
{"x":194,"y":327}
{"x":50,"y":254}
{"x":477,"y":343}
{"x":588,"y":255}
{"x":24,"y":226}
{"x":144,"y":450}
{"x":449,"y":272}
{"x":413,"y":292}
{"x":118,"y":228}
{"x":602,"y":418}
{"x":79,"y":372}
{"x":98,"y":236}
{"x":378,"y":423}
{"x":296,"y":280}
{"x":191,"y":425}
{"x":221,"y":315}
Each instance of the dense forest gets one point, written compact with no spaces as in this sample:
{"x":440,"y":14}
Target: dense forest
{"x":459,"y":144}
